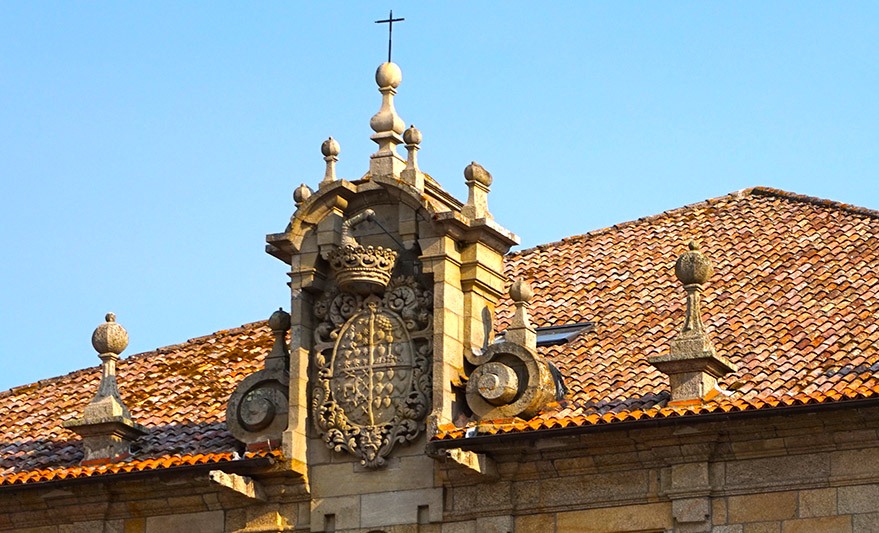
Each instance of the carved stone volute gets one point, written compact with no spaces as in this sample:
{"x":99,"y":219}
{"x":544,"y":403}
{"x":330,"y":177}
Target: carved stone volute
{"x":257,"y":411}
{"x":511,"y":379}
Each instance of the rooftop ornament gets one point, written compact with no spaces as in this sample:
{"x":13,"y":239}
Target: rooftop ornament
{"x":257,"y":411}
{"x":330,"y":149}
{"x":511,"y":379}
{"x":411,"y":174}
{"x":301,"y":194}
{"x":478,"y":181}
{"x":692,"y":364}
{"x":106,"y":426}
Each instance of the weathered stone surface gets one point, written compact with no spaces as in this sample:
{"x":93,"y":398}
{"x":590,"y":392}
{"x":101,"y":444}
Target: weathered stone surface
{"x":345,"y":512}
{"x":865,"y":523}
{"x":536,"y":523}
{"x":400,"y":507}
{"x":777,"y":471}
{"x":763,"y":527}
{"x":817,"y":502}
{"x":495,"y":524}
{"x":836,"y":524}
{"x":206,"y":522}
{"x":691,"y":510}
{"x":737,"y":528}
{"x":859,"y":499}
{"x":762,"y":507}
{"x":854,"y":464}
{"x":93,"y":526}
{"x":403,"y":473}
{"x":626,"y":518}
{"x":459,"y":527}
{"x":718,"y":511}
{"x":609,"y":488}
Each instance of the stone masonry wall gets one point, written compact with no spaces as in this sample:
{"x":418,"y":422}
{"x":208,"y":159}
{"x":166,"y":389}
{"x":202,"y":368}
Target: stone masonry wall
{"x":815,"y":473}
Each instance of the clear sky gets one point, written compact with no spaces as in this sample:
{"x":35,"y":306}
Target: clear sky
{"x":147,"y":148}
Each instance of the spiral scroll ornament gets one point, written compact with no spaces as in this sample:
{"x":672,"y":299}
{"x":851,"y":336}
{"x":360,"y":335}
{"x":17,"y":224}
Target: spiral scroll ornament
{"x":257,"y":411}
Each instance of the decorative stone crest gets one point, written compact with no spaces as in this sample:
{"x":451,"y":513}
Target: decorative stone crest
{"x":257,"y":411}
{"x":372,"y":357}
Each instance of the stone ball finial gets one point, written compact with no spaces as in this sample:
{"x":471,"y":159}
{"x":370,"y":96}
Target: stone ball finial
{"x":301,"y":194}
{"x":388,"y":75}
{"x":280,"y":320}
{"x":412,"y":135}
{"x":521,"y":291}
{"x":330,"y":148}
{"x":110,"y":337}
{"x":692,"y":267}
{"x":476,"y":172}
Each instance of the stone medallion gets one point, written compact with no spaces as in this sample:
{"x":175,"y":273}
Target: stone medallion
{"x":372,"y":357}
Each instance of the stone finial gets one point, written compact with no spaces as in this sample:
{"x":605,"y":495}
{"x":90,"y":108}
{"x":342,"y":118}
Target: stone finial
{"x":330,"y":149}
{"x":478,"y":182}
{"x":106,"y":426}
{"x":520,"y":330}
{"x":387,"y":125}
{"x":692,"y":363}
{"x":411,"y":174}
{"x":257,"y":411}
{"x":301,"y":194}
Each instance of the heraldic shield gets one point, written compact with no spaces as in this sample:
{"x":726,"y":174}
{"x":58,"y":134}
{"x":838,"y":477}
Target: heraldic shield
{"x":372,"y":356}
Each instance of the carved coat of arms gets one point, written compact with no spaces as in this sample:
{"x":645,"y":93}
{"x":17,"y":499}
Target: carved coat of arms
{"x":372,"y":356}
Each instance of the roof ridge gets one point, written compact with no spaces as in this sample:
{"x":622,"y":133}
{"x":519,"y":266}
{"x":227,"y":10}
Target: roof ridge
{"x":814,"y":200}
{"x":761,"y":191}
{"x":649,"y":218}
{"x":157,"y":351}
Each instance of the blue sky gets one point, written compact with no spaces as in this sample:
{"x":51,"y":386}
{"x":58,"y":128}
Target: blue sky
{"x":147,"y":148}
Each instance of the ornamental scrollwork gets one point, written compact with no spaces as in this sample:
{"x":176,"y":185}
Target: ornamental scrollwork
{"x":372,"y":358}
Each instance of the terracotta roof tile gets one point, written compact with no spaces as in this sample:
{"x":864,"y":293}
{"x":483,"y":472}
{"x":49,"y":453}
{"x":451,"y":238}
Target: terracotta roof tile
{"x":793,"y":302}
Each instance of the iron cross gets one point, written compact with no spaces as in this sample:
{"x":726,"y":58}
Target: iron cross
{"x":390,"y":22}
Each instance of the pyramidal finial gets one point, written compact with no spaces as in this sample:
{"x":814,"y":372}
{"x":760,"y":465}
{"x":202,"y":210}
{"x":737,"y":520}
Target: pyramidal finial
{"x":106,"y":426}
{"x":387,"y":125}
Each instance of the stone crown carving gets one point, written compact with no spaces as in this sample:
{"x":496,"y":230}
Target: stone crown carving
{"x":362,"y":269}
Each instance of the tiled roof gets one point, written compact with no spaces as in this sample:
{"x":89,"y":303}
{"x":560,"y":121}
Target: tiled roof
{"x":794,"y":302}
{"x":138,"y":465}
{"x":178,"y":392}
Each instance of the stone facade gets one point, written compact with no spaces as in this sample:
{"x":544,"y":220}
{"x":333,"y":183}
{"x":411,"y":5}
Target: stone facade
{"x":809,"y":472}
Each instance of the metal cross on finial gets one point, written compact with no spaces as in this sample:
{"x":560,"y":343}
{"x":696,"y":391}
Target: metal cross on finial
{"x":390,"y":22}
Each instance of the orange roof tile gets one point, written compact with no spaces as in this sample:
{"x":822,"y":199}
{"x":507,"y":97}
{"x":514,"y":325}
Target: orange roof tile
{"x":140,"y":465}
{"x":794,"y":303}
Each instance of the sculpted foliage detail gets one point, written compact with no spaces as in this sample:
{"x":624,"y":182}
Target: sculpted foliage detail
{"x":372,"y":356}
